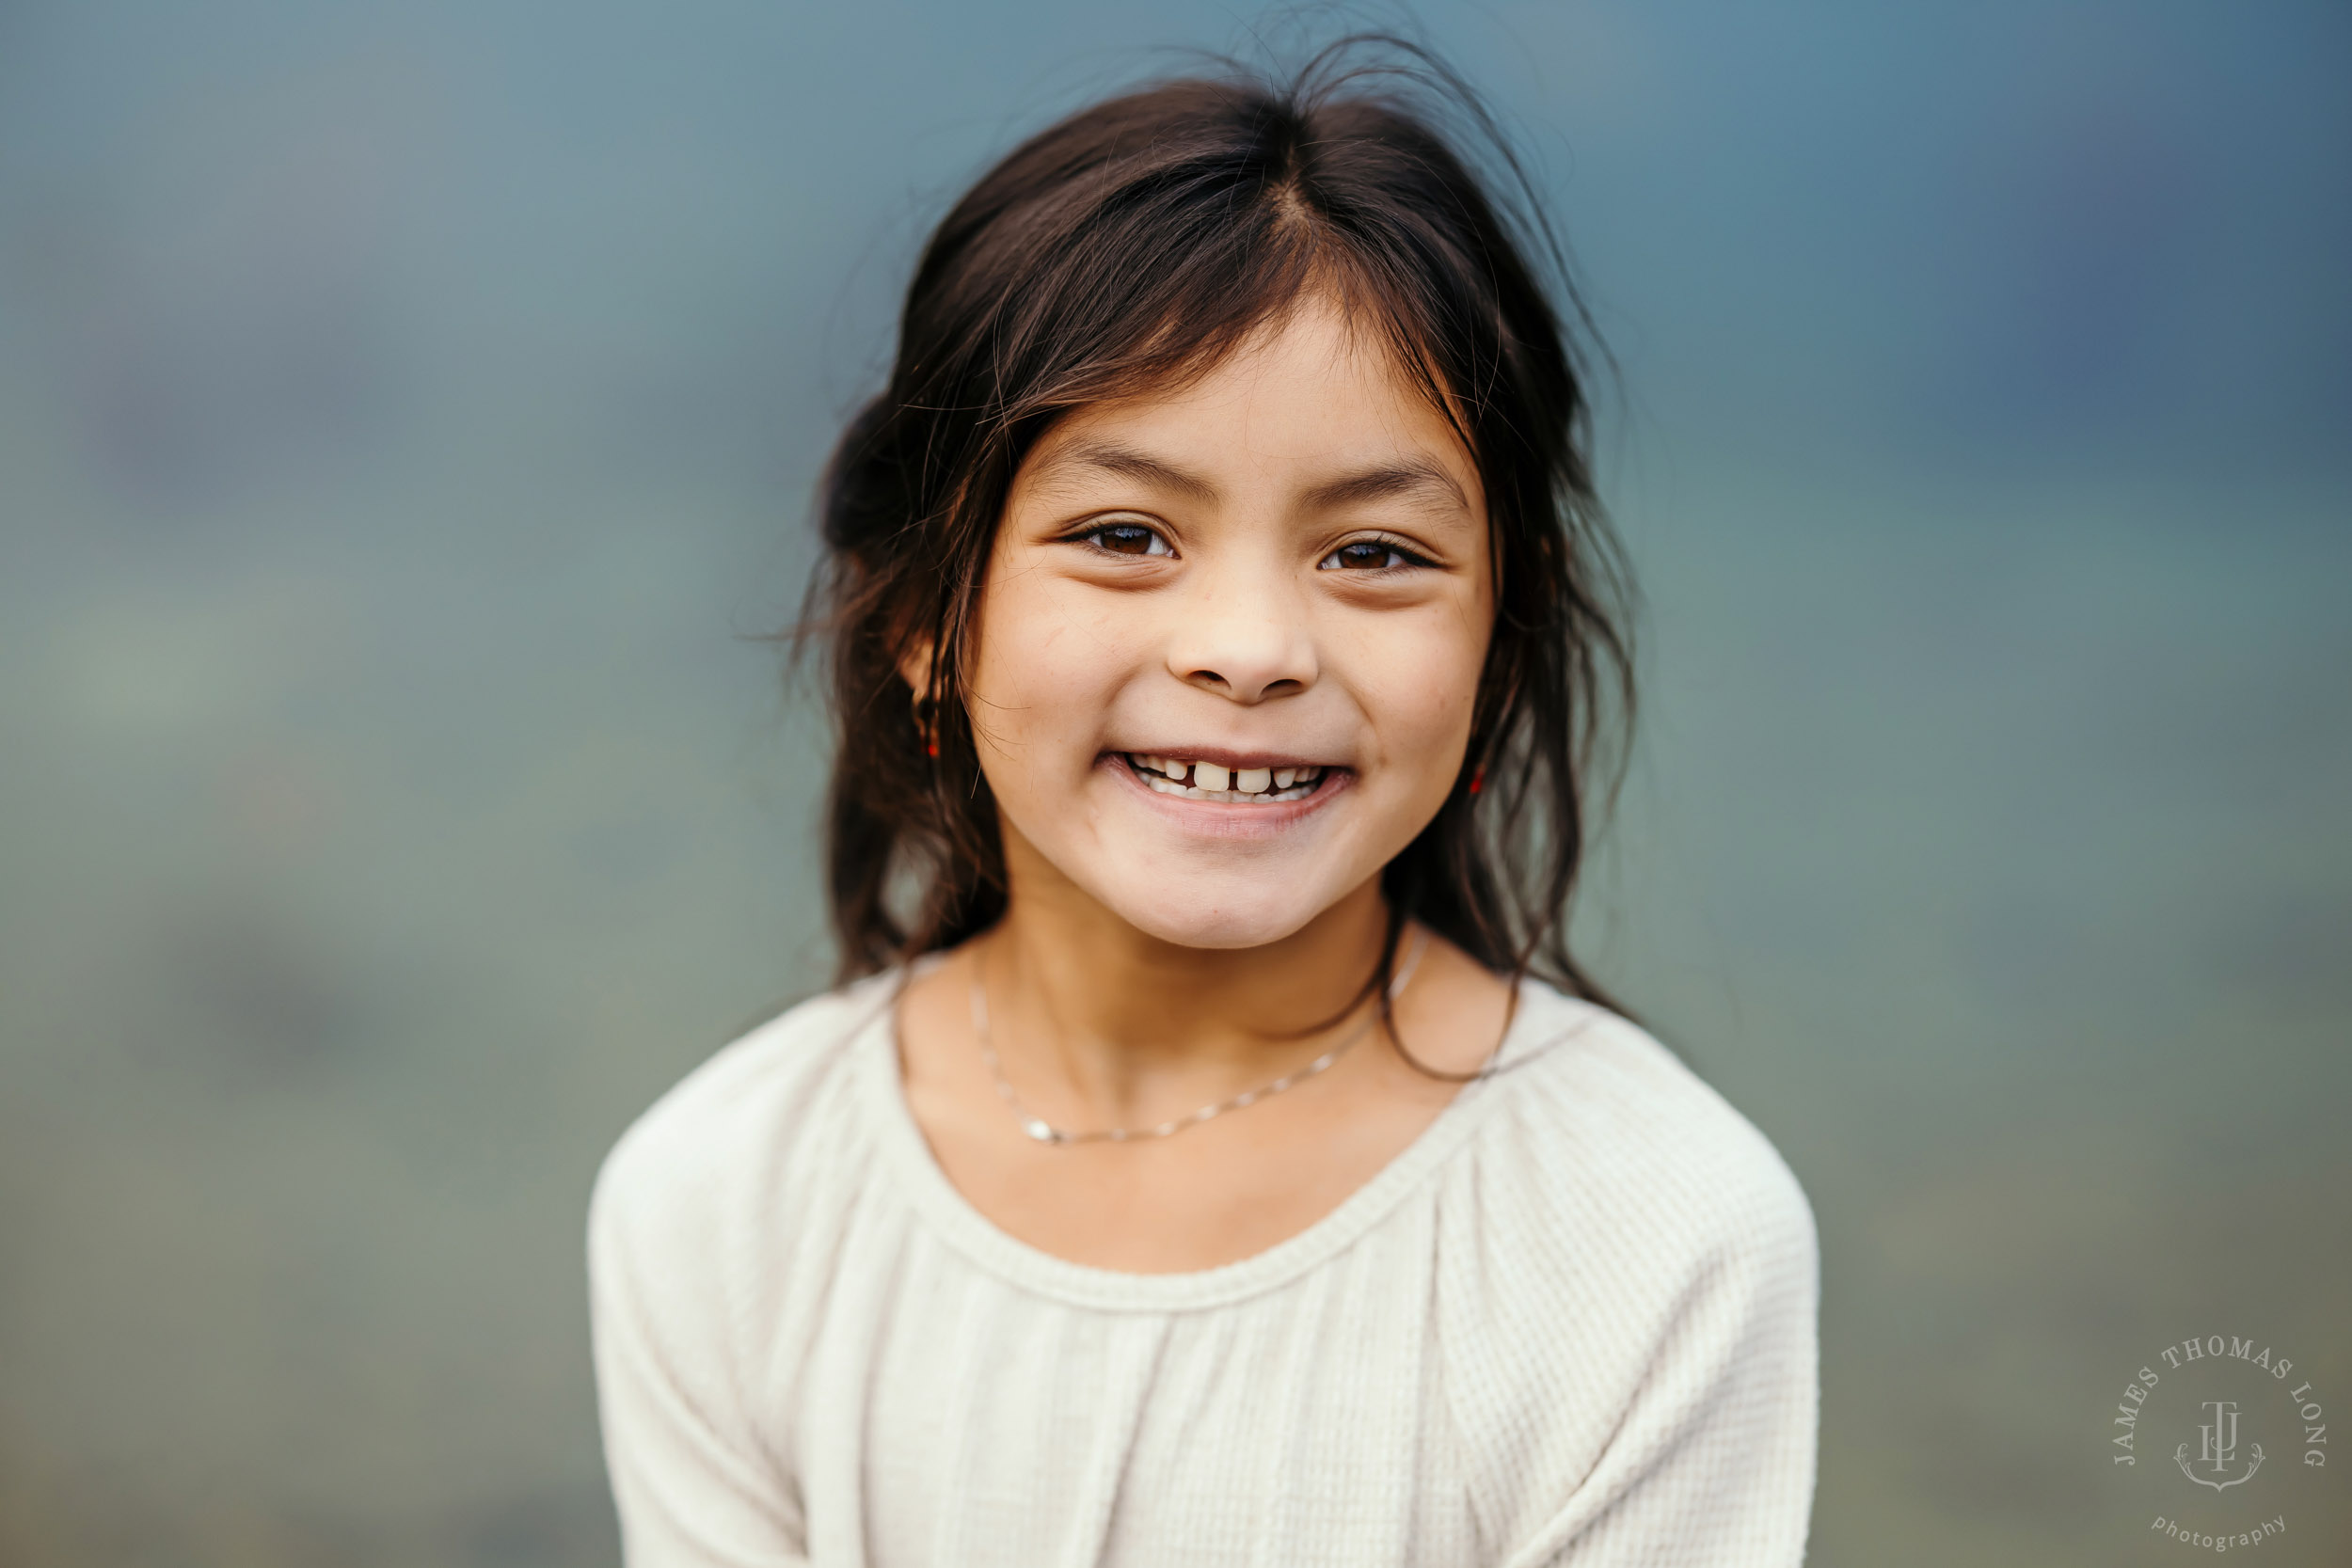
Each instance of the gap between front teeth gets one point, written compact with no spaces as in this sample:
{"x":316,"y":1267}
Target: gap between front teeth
{"x":1209,"y":780}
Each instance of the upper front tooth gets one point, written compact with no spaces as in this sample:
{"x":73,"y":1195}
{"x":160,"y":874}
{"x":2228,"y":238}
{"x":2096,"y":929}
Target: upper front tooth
{"x":1210,"y":775}
{"x":1252,"y":781}
{"x":1173,"y":770}
{"x":1284,"y":776}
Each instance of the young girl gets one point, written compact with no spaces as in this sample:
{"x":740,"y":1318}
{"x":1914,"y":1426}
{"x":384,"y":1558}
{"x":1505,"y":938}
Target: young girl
{"x":1213,"y":1154}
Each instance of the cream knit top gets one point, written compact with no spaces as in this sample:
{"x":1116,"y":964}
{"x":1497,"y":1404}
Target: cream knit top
{"x":1572,"y":1323}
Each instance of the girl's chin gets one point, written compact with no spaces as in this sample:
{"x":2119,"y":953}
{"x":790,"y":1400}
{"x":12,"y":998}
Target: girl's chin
{"x":1216,"y":932}
{"x":1227,"y":912}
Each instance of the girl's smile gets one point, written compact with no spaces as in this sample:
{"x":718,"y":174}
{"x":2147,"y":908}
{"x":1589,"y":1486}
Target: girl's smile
{"x":1215,"y":794}
{"x":1195,"y":774}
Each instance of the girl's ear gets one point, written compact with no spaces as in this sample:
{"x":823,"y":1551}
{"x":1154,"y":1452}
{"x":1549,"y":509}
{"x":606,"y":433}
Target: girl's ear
{"x":914,"y":667}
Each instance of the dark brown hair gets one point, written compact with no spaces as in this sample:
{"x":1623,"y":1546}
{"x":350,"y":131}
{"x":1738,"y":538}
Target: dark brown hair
{"x":1131,"y":246}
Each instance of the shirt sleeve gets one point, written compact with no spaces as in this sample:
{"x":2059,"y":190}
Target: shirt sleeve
{"x":1712,"y":1464}
{"x":693,"y":1485}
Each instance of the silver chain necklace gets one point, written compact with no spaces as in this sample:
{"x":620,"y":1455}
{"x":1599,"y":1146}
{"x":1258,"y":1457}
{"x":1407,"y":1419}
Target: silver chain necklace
{"x":1040,"y":1130}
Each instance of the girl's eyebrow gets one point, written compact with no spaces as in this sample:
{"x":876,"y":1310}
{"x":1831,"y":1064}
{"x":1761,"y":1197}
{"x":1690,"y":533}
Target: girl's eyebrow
{"x":1130,"y":464}
{"x":1402,"y":478}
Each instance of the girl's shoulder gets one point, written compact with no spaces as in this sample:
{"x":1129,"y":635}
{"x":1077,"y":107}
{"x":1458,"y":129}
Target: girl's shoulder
{"x":1601,"y":1139}
{"x":1626,"y":1299}
{"x":781,"y":1096}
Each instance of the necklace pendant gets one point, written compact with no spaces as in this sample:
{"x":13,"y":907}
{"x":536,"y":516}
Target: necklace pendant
{"x":1039,"y":1133}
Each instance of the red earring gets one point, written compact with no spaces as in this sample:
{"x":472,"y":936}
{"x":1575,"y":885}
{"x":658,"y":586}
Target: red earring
{"x":924,"y":726}
{"x":1478,"y":778}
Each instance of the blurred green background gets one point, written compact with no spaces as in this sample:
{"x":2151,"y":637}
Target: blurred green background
{"x":407,"y":414}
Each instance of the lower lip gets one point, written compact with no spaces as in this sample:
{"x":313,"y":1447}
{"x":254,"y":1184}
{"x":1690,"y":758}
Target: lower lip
{"x":1232,"y":819}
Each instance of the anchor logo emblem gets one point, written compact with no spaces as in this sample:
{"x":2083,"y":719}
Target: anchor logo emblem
{"x":2219,"y":1448}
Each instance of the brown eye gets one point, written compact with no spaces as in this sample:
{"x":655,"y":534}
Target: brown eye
{"x":1368,"y":555}
{"x":1128,"y":539}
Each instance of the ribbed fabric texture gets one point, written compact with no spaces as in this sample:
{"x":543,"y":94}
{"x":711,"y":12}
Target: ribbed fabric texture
{"x":1573,"y":1323}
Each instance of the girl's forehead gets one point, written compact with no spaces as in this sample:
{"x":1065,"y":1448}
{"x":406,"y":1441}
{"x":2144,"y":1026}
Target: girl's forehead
{"x":1311,"y":393}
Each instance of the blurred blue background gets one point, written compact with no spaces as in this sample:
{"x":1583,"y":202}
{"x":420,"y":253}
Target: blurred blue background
{"x":407,"y":415}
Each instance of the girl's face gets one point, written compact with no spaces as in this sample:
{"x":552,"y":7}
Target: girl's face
{"x":1230,"y":638}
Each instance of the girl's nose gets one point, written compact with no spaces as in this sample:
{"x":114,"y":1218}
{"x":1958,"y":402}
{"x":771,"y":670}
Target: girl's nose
{"x":1249,"y":646}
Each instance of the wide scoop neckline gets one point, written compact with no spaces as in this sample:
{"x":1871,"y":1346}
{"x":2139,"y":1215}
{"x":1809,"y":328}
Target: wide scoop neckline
{"x":906,"y":1158}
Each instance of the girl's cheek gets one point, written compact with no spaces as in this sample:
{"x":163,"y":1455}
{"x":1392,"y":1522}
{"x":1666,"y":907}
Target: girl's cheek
{"x":1418,"y":672}
{"x":1051,"y":653}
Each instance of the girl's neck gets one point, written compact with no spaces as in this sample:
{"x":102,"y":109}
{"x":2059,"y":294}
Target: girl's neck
{"x":1117,"y":1010}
